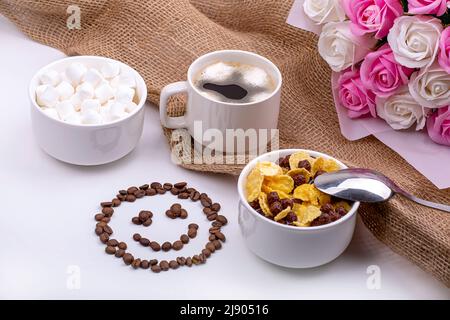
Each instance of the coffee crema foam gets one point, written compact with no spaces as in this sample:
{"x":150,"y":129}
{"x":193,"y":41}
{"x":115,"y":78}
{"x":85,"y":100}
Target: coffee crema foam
{"x":234,"y":82}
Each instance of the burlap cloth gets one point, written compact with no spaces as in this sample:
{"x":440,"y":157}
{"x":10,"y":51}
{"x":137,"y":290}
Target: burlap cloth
{"x":160,"y":38}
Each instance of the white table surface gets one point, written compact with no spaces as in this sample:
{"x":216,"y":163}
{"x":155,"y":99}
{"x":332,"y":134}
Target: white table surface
{"x":46,"y":221}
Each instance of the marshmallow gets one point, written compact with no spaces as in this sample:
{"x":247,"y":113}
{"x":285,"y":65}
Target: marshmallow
{"x":124,"y":94}
{"x":217,"y":72}
{"x":256,"y":77}
{"x":85,"y":91}
{"x":117,"y":111}
{"x":46,"y":96}
{"x":91,"y":117}
{"x":65,"y":108}
{"x":75,"y":72}
{"x":104,"y":92}
{"x":65,"y":90}
{"x":93,"y":77}
{"x":123,"y":79}
{"x":73,"y":118}
{"x":260,"y":96}
{"x":130,"y":106}
{"x":110,"y":70}
{"x":51,"y":112}
{"x":76,"y":101}
{"x":90,"y":104}
{"x":50,"y":77}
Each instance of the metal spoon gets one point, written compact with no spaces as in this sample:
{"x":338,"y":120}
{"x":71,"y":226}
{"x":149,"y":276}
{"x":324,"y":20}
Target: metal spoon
{"x":365,"y":185}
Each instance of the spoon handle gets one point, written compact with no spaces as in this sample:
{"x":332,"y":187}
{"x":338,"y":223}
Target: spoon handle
{"x":426,"y":203}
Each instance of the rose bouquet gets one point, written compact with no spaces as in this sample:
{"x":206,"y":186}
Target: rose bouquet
{"x":391,"y":59}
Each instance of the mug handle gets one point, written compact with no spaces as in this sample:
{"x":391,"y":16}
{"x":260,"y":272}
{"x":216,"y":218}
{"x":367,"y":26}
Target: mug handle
{"x":166,"y":93}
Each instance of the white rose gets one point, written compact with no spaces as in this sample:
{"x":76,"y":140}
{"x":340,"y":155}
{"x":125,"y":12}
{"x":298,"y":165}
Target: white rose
{"x":415,"y":40}
{"x":431,"y":86}
{"x":322,"y":11}
{"x":401,"y":110}
{"x":340,"y":47}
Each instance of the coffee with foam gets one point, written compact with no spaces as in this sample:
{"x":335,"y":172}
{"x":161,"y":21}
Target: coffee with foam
{"x":234,"y":82}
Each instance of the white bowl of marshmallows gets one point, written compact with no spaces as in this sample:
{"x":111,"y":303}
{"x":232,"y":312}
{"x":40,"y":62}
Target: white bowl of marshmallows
{"x":87,"y":110}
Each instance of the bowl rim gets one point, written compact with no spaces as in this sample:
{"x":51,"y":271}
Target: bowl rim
{"x":34,"y":79}
{"x":251,"y":164}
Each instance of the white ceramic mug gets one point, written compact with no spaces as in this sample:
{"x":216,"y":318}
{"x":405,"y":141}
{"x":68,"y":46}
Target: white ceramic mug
{"x":87,"y":144}
{"x":204,"y":113}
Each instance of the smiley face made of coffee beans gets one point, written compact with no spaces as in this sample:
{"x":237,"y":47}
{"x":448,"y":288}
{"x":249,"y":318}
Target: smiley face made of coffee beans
{"x":144,"y":218}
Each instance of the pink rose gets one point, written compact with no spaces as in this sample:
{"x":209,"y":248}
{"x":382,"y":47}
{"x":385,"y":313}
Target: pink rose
{"x":444,"y":50}
{"x":354,"y":97}
{"x":368,"y":16}
{"x":437,"y":7}
{"x":438,"y":125}
{"x":381,"y":74}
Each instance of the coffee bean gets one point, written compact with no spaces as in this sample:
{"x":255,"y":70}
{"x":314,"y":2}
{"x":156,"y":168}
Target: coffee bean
{"x":180,"y":185}
{"x":110,"y":250}
{"x":181,"y":261}
{"x":207,"y":211}
{"x":222,"y":219}
{"x":189,"y":261}
{"x":101,"y":224}
{"x":98,"y":230}
{"x":123,"y":192}
{"x":112,"y":243}
{"x":203,"y":195}
{"x":108,"y":211}
{"x":176,"y":208}
{"x":177,"y":245}
{"x":217,"y":244}
{"x":121,"y":197}
{"x":183,"y":214}
{"x":155,"y":185}
{"x":147,"y":222}
{"x":173,"y":264}
{"x":212,"y":237}
{"x":144,"y":242}
{"x":210,"y":246}
{"x":206,"y":253}
{"x":143,"y":215}
{"x":196,"y":259}
{"x":155,"y":246}
{"x":214,"y":230}
{"x":216,"y":224}
{"x":144,"y":187}
{"x":120,"y":253}
{"x":130,"y":198}
{"x":205,"y":202}
{"x":153,"y":262}
{"x":107,"y":229}
{"x":212,"y":216}
{"x":139,"y":194}
{"x":106,"y":204}
{"x":128,"y":258}
{"x":136,"y":220}
{"x":195,"y":196}
{"x":215,"y":207}
{"x":184,"y":238}
{"x":160,"y":191}
{"x":99,"y":216}
{"x":170,"y":214}
{"x":192,"y":233}
{"x":156,"y":269}
{"x":136,"y":237}
{"x":183,"y":195}
{"x":167,"y":186}
{"x":122,"y":245}
{"x":174,"y":191}
{"x":164,"y":265}
{"x":116,"y":202}
{"x":193,"y":226}
{"x":166,"y":246}
{"x":136,"y":263}
{"x":202,"y":258}
{"x":150,"y":192}
{"x":106,"y":220}
{"x":145,"y":264}
{"x":132,"y":190}
{"x":219,"y":235}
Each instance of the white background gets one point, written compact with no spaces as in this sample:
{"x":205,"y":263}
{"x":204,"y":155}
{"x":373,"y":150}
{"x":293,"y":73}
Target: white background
{"x":46,"y":221}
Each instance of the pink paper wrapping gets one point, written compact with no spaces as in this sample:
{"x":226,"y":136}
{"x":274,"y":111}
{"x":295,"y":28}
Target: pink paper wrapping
{"x":430,"y":159}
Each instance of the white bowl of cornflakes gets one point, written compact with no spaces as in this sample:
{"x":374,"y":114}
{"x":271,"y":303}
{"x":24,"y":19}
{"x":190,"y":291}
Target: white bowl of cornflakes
{"x":284,"y":219}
